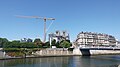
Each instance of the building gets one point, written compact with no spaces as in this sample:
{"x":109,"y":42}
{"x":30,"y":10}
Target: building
{"x":89,"y":38}
{"x":59,"y":36}
{"x":29,"y":40}
{"x":26,"y":40}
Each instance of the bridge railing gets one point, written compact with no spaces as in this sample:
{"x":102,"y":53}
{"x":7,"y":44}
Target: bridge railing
{"x":85,"y":46}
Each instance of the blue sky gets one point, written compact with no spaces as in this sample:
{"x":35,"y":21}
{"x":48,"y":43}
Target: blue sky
{"x":102,"y":16}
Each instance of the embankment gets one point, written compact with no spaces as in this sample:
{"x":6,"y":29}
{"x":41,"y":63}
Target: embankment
{"x":50,"y":52}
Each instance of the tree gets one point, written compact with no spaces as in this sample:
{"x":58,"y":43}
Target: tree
{"x":53,"y":42}
{"x":68,"y":41}
{"x":58,"y":44}
{"x":15,"y":44}
{"x":3,"y":42}
{"x":37,"y":41}
{"x":28,"y":45}
{"x":47,"y":44}
{"x":65,"y":44}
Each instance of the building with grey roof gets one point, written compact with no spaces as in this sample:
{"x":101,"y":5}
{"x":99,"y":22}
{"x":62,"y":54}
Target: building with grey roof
{"x":59,"y":36}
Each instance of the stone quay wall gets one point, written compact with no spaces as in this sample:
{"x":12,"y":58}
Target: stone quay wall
{"x":54,"y":52}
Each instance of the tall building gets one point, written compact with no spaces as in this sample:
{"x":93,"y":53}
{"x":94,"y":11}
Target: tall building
{"x":89,"y":38}
{"x":59,"y":36}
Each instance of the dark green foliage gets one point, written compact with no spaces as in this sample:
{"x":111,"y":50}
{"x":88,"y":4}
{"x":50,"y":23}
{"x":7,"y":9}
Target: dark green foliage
{"x":47,"y":44}
{"x":3,"y":41}
{"x":37,"y":41}
{"x":17,"y":44}
{"x":65,"y":44}
{"x":27,"y":45}
{"x":36,"y":44}
{"x":62,"y":44}
{"x":53,"y":42}
{"x":58,"y":45}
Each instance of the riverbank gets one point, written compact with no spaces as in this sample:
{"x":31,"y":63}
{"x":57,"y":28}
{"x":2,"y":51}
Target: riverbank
{"x":49,"y":52}
{"x":60,"y":52}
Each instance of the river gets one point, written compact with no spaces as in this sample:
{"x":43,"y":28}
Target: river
{"x":71,"y":61}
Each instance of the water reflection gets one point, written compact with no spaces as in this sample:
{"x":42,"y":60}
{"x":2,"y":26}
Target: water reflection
{"x":76,"y":61}
{"x":37,"y":62}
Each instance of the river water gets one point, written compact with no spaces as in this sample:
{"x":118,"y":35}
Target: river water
{"x":71,"y":61}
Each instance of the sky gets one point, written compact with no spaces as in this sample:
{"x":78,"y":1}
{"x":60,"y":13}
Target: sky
{"x":74,"y":16}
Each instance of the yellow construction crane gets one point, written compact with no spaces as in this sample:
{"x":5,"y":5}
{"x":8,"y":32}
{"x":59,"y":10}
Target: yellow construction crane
{"x":37,"y":17}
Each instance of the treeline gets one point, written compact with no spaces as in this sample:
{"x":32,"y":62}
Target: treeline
{"x":5,"y":43}
{"x":21,"y":49}
{"x":37,"y":43}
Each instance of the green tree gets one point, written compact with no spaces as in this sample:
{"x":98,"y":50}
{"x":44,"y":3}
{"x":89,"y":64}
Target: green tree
{"x":47,"y":44}
{"x":37,"y":41}
{"x":3,"y":42}
{"x":58,"y":44}
{"x":15,"y":44}
{"x":65,"y":44}
{"x":8,"y":45}
{"x":53,"y":42}
{"x":28,"y":45}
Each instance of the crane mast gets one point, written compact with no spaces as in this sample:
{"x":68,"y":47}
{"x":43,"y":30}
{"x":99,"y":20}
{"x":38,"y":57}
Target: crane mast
{"x":44,"y":30}
{"x":43,"y":18}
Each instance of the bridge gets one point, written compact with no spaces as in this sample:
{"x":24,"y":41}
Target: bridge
{"x":91,"y":50}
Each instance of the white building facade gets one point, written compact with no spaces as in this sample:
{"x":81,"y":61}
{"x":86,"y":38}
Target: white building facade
{"x":89,"y":38}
